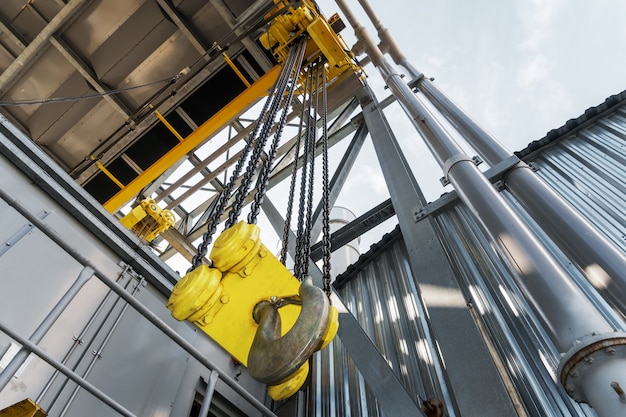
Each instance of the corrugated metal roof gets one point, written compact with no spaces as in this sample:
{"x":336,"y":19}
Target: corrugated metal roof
{"x":585,"y":162}
{"x":573,"y":125}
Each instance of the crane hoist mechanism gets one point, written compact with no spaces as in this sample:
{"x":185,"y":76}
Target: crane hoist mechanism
{"x":147,"y":220}
{"x":267,"y":318}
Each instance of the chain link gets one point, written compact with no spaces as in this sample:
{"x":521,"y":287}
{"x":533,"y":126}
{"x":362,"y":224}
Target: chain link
{"x":299,"y":267}
{"x":267,"y":122}
{"x":263,"y":179}
{"x":294,"y":171}
{"x":325,"y":190}
{"x":228,"y":188}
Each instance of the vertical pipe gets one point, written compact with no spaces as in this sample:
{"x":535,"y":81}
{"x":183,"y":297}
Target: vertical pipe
{"x":78,"y":340}
{"x":598,"y":258}
{"x":565,"y":311}
{"x":208,"y":395}
{"x":45,"y":325}
{"x":97,"y":353}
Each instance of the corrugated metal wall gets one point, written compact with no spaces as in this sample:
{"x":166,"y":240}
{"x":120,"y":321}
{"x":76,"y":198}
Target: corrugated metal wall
{"x":588,"y":169}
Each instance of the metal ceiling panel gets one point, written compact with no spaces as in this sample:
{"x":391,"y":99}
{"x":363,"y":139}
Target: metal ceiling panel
{"x":48,"y":124}
{"x":6,"y":55}
{"x":166,"y":61}
{"x":24,"y":19}
{"x":96,"y":124}
{"x":98,"y":23}
{"x":131,"y":43}
{"x":42,"y":80}
{"x":209,"y":25}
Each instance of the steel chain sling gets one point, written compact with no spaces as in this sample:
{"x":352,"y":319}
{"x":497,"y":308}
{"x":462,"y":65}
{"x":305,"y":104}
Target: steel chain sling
{"x":299,"y":267}
{"x":292,"y":184}
{"x":228,"y":189}
{"x":268,"y":122}
{"x":262,"y":180}
{"x":325,"y":191}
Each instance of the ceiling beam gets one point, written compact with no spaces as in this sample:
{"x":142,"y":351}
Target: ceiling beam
{"x":195,"y":139}
{"x":173,"y":14}
{"x":90,"y":76}
{"x":66,"y":15}
{"x":249,"y":44}
{"x":12,"y":35}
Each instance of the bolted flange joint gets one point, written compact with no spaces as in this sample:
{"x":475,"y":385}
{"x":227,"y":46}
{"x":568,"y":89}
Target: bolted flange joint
{"x":589,"y":369}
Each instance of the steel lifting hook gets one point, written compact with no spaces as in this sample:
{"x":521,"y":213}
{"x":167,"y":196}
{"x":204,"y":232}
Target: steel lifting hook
{"x":272,"y":358}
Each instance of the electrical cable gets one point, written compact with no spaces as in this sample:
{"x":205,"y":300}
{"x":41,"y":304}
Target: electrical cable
{"x":86,"y":97}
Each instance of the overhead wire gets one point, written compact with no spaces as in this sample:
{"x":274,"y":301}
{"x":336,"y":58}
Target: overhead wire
{"x":86,"y":97}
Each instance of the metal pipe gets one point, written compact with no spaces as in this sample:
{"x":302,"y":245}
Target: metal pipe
{"x":137,"y":305}
{"x":208,"y":395}
{"x":78,"y":340}
{"x":18,"y":360}
{"x":31,"y":347}
{"x":388,"y":41}
{"x":565,"y":311}
{"x":602,"y":262}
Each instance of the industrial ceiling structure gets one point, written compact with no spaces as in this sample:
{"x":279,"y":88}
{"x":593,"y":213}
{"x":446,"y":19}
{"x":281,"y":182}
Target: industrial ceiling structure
{"x":159,"y":101}
{"x":139,"y":99}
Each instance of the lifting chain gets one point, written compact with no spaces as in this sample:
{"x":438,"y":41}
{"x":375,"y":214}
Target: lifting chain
{"x":306,"y":182}
{"x":325,"y":191}
{"x":268,"y":121}
{"x":266,"y":168}
{"x":268,"y":114}
{"x":279,"y":100}
{"x":294,"y":170}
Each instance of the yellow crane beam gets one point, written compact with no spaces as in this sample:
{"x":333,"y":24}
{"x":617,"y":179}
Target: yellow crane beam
{"x":220,"y":119}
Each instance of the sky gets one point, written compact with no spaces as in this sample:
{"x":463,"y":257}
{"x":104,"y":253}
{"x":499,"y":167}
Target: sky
{"x":519,"y":68}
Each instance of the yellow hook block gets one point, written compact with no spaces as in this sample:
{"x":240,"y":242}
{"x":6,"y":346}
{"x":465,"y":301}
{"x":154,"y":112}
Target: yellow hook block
{"x":249,"y":273}
{"x":221,"y":300}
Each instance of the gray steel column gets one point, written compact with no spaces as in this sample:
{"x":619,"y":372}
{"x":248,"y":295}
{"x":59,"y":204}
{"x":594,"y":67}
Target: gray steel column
{"x":472,"y":376}
{"x":567,"y":314}
{"x":597,"y":257}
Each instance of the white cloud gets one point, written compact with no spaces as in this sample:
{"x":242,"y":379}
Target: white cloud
{"x":535,"y":70}
{"x":537,"y":17}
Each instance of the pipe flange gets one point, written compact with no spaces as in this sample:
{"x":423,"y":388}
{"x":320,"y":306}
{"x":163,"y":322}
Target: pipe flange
{"x":589,"y":352}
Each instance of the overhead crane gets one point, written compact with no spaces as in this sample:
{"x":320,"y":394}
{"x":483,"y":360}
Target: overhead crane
{"x":244,"y":283}
{"x":272,"y":320}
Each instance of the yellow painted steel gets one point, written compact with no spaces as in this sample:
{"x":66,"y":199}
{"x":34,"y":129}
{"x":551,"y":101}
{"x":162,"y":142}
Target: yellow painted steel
{"x":148,"y":220}
{"x":250,"y":274}
{"x":291,"y":386}
{"x":194,"y":139}
{"x":220,"y":299}
{"x":287,"y":27}
{"x":106,"y":172}
{"x":167,"y":124}
{"x":232,"y":65}
{"x":24,"y":408}
{"x":333,"y":326}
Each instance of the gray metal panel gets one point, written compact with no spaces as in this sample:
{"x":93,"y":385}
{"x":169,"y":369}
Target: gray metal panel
{"x":588,"y":170}
{"x":139,"y":366}
{"x":383,"y":297}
